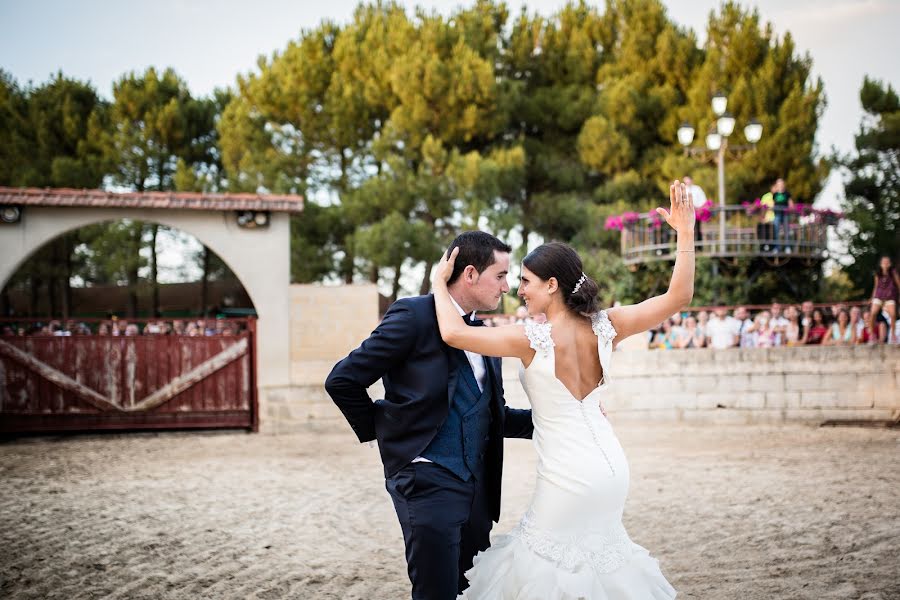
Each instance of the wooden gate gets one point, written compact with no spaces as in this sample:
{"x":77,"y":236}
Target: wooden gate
{"x":88,"y":382}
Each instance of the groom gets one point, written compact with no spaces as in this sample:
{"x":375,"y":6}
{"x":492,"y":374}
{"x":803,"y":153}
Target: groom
{"x":441,"y":426}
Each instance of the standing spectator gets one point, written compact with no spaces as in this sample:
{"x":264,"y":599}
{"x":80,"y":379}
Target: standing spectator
{"x":178,"y":327}
{"x":677,"y":326}
{"x":856,"y":321}
{"x":764,"y":334}
{"x":745,"y":328}
{"x":794,"y":332}
{"x":689,"y":336}
{"x":783,"y":201}
{"x":885,"y":292}
{"x":841,"y":332}
{"x":702,"y":322}
{"x":764,"y":231}
{"x":875,"y":330}
{"x":778,"y":323}
{"x":818,"y":330}
{"x":806,"y":311}
{"x":722,"y":331}
{"x":698,"y":197}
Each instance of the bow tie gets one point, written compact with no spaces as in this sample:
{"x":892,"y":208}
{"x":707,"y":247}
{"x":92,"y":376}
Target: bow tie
{"x":470,"y":322}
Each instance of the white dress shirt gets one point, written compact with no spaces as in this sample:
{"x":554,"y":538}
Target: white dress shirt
{"x":475,"y":360}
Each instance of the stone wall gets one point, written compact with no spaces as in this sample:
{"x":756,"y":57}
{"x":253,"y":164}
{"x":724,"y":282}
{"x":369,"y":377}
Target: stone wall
{"x":761,"y":385}
{"x":326,"y":323}
{"x":807,"y":384}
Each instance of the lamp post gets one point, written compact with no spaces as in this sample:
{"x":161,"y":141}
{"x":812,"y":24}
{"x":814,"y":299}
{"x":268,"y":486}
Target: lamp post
{"x":717,"y":141}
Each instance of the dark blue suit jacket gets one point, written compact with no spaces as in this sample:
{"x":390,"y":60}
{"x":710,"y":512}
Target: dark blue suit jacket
{"x":407,"y":352}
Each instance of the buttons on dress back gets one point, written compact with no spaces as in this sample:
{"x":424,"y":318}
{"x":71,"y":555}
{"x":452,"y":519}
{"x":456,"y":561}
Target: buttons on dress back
{"x":594,"y":435}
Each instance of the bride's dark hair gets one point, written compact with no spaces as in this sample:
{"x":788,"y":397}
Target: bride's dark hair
{"x":559,"y":260}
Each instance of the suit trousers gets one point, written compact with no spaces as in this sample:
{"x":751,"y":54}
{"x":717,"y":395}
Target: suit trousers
{"x":445,"y":521}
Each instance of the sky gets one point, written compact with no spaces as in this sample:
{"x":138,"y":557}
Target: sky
{"x":209,"y":42}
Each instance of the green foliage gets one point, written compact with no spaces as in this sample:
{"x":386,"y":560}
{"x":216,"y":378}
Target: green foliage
{"x":872,"y":201}
{"x":45,"y":137}
{"x":401,"y":129}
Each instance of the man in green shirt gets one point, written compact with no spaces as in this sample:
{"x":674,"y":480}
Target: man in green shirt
{"x":783,"y":201}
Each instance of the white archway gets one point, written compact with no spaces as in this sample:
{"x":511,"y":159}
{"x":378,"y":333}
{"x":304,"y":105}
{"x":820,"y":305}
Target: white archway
{"x":260,"y":258}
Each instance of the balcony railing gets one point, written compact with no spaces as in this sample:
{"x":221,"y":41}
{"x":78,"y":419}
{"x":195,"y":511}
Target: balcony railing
{"x":777,"y":234}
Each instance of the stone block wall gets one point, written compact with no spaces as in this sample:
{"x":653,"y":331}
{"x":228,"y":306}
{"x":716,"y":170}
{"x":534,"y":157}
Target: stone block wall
{"x":761,"y":385}
{"x":775,"y":385}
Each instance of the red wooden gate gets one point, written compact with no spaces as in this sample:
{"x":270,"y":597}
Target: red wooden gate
{"x":87,"y":382}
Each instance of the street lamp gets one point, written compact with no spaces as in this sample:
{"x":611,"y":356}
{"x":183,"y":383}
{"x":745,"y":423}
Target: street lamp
{"x":685,"y":134}
{"x":753,"y":131}
{"x":717,"y":141}
{"x":719,"y":103}
{"x":725,"y":124}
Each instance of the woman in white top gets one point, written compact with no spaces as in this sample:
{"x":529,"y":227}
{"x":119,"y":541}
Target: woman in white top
{"x":571,"y":542}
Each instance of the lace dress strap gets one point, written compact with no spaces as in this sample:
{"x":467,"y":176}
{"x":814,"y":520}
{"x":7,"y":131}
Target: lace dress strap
{"x":539,"y":336}
{"x":603,"y":327}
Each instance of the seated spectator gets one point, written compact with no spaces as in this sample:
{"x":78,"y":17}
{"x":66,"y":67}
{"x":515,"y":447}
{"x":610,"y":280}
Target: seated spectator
{"x":818,"y":329}
{"x":841,"y":333}
{"x":663,"y":339}
{"x":722,"y":331}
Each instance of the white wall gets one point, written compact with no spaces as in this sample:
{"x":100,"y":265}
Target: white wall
{"x":259,"y":257}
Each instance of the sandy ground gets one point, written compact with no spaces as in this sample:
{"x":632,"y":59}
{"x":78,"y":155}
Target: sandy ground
{"x":730,"y":511}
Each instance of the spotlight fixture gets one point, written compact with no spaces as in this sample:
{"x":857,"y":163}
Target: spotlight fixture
{"x":10,"y":214}
{"x":252,"y":219}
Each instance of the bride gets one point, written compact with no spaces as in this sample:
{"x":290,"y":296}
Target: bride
{"x":571,"y":543}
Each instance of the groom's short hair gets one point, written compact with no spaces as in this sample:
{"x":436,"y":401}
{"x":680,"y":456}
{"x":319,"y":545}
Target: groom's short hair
{"x":476,"y":248}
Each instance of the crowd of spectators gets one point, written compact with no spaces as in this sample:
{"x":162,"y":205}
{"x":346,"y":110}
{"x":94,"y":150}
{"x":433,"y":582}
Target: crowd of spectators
{"x":772,"y":326}
{"x":777,"y":325}
{"x":123,"y":327}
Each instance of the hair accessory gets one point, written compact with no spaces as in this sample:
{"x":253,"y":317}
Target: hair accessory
{"x":578,"y":285}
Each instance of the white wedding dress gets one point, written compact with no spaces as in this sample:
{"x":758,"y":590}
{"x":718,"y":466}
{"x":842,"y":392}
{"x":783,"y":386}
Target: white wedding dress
{"x":571,"y":543}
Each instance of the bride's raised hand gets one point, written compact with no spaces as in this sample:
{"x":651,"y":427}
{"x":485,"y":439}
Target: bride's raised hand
{"x":680,"y":215}
{"x":444,"y":269}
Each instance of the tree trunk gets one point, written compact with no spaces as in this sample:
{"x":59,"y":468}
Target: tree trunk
{"x":396,"y":287}
{"x":34,"y":289}
{"x":69,"y":247}
{"x":4,"y":303}
{"x":426,"y":279}
{"x":153,"y":270}
{"x":373,"y":274}
{"x":132,"y":272}
{"x":204,"y":286}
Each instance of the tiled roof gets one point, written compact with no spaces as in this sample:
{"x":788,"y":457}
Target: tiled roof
{"x":154,"y":200}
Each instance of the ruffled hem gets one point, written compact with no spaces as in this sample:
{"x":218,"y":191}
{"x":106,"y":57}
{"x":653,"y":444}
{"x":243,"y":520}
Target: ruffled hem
{"x":511,"y":570}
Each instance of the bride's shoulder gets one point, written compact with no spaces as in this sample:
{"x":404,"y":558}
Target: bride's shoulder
{"x":602,"y":326}
{"x":538,"y":335}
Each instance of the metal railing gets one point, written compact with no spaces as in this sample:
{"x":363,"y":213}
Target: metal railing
{"x":774,"y":233}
